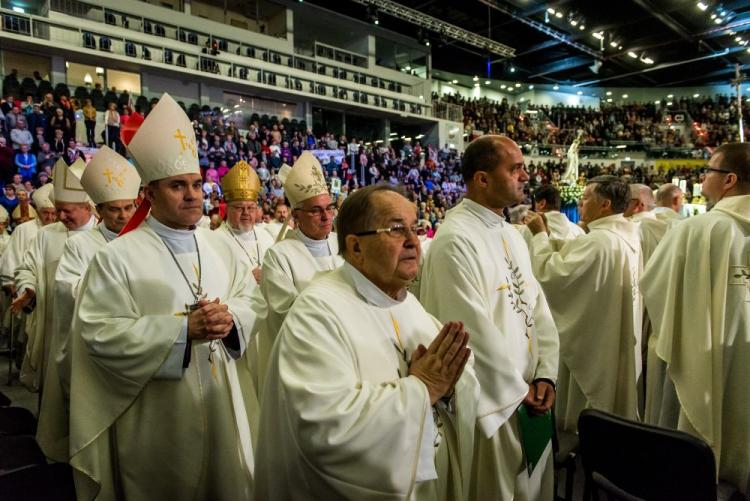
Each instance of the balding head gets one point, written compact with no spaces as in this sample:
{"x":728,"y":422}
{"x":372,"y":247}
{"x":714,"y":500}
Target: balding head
{"x":484,"y":154}
{"x":641,"y":200}
{"x":669,"y":195}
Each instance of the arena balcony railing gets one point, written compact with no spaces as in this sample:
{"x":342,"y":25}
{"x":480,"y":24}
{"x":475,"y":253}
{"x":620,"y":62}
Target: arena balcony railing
{"x":171,"y":54}
{"x":349,"y":67}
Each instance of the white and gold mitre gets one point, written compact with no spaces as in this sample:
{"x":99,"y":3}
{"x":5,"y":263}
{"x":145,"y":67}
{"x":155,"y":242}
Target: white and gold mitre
{"x":303,"y":180}
{"x":164,"y":144}
{"x":108,"y":177}
{"x":42,"y":197}
{"x":241,"y":183}
{"x":67,"y":185}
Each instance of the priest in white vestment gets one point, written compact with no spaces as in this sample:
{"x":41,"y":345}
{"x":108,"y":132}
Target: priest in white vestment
{"x":591,"y":284}
{"x":311,"y":247}
{"x":112,"y":183}
{"x":697,"y":292}
{"x":241,"y":187}
{"x":365,"y":397}
{"x":652,"y":231}
{"x":478,"y":272}
{"x":547,"y":201}
{"x":156,"y":408}
{"x":641,"y":203}
{"x":20,"y":241}
{"x":666,"y":216}
{"x":35,"y":277}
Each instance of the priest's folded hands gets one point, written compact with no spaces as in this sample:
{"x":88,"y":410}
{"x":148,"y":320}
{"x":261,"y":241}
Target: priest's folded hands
{"x":440,"y":365}
{"x":210,"y":320}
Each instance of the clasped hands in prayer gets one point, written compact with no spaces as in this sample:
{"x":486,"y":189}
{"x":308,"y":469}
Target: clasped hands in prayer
{"x":211,"y":320}
{"x":440,"y":365}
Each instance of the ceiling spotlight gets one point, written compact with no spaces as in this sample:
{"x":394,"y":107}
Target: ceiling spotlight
{"x":582,"y":27}
{"x":609,"y":100}
{"x":372,"y":14}
{"x":476,"y":78}
{"x":609,"y":92}
{"x":647,"y":60}
{"x":518,"y":85}
{"x":579,"y":93}
{"x":624,"y":96}
{"x":718,"y":20}
{"x":512,"y":69}
{"x":558,"y":15}
{"x":476,"y":84}
{"x":669,"y":103}
{"x":713,"y":16}
{"x":503,"y":86}
{"x":573,"y":22}
{"x":702,"y":6}
{"x":696,"y":96}
{"x":670,"y":96}
{"x":632,"y":54}
{"x":487,"y":82}
{"x":454,"y":81}
{"x":551,"y":11}
{"x":599,"y":35}
{"x":531,"y":87}
{"x":556,"y":87}
{"x":613,"y":44}
{"x":657,"y":102}
{"x":748,"y":50}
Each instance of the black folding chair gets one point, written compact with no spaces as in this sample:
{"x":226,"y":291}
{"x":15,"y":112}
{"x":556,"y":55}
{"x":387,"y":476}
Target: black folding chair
{"x":17,"y":452}
{"x":16,"y":421}
{"x":628,"y":461}
{"x":45,"y":482}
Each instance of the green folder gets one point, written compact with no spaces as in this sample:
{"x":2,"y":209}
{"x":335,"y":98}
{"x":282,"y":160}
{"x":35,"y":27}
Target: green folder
{"x":536,"y":433}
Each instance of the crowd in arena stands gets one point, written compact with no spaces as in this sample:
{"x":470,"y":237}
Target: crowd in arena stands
{"x":708,"y":121}
{"x":38,"y":125}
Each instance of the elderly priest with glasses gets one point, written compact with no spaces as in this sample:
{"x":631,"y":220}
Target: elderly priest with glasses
{"x":311,"y":247}
{"x":367,"y":395}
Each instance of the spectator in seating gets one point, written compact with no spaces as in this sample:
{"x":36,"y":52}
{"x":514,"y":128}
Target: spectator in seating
{"x":17,"y":182}
{"x":7,"y":161}
{"x":39,"y":138}
{"x":21,"y":135}
{"x":112,"y":121}
{"x":9,"y":199}
{"x":89,"y":120}
{"x":23,"y":211}
{"x":25,"y":163}
{"x":73,"y":152}
{"x":58,"y":143}
{"x":12,"y":116}
{"x":46,"y":157}
{"x":37,"y":118}
{"x":60,"y":122}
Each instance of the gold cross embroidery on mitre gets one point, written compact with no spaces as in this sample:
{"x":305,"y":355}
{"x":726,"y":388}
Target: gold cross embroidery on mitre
{"x":118,"y":178}
{"x":185,"y":142}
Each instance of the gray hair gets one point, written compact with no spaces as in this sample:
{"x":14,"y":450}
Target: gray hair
{"x":357,"y":212}
{"x":666,"y":193}
{"x":644,"y":194}
{"x":614,"y":189}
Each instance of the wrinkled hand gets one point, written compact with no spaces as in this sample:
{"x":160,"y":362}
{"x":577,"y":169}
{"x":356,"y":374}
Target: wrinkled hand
{"x":535,"y":222}
{"x":210,"y":321}
{"x":258,"y":274}
{"x":21,"y":302}
{"x":440,"y":365}
{"x":540,"y":398}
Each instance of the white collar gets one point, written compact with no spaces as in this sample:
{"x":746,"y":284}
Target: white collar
{"x":489,"y":217}
{"x":370,"y":292}
{"x":88,"y":225}
{"x":108,"y":234}
{"x":318,"y":248}
{"x":248,"y":236}
{"x":165,"y":232}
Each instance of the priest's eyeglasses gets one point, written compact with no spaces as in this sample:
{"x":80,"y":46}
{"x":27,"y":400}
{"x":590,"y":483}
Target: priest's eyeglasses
{"x":706,"y":170}
{"x":394,"y":231}
{"x":318,"y":211}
